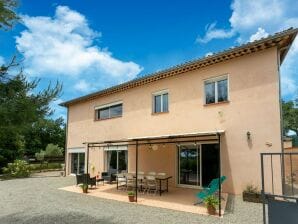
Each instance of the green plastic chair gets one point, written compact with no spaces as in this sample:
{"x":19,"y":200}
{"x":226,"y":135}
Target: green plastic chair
{"x":212,"y":188}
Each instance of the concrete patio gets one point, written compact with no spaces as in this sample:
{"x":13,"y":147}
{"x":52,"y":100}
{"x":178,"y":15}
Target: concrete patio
{"x":38,"y":200}
{"x":179,"y":199}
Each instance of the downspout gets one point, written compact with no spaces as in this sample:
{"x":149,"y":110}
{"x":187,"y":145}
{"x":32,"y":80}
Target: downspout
{"x":281,"y":119}
{"x":219,"y":174}
{"x":65,"y":147}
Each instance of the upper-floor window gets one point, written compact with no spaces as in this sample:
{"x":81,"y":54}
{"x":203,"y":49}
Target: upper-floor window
{"x":161,"y":102}
{"x":108,"y":111}
{"x":216,"y":90}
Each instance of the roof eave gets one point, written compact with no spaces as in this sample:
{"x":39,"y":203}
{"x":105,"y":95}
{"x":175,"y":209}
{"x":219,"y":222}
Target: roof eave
{"x":244,"y":49}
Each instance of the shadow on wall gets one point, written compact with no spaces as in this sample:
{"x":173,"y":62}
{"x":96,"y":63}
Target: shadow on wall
{"x":226,"y":167}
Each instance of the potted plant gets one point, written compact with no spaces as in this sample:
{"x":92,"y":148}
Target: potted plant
{"x":131,"y":196}
{"x":84,"y":188}
{"x":211,"y":203}
{"x":251,"y":194}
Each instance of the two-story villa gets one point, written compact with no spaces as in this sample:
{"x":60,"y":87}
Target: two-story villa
{"x":194,"y":121}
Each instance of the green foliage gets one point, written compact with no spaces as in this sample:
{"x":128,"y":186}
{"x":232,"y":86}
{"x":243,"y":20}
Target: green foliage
{"x":84,"y":187}
{"x":19,"y":168}
{"x":250,"y":188}
{"x":21,"y":111}
{"x":7,"y":14}
{"x":45,"y":166}
{"x":44,"y":132}
{"x":290,"y":117}
{"x":211,"y":201}
{"x":131,"y":193}
{"x":51,"y":151}
{"x":40,"y":155}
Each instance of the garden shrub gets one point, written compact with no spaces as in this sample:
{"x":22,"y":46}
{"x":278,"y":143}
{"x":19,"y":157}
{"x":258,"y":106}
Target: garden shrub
{"x":45,"y":166}
{"x":51,"y":151}
{"x":19,"y":168}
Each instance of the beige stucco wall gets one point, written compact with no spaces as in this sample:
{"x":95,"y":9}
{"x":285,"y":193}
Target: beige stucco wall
{"x":253,"y":106}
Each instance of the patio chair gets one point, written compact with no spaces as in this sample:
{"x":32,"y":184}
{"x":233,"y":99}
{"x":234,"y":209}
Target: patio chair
{"x":212,"y":189}
{"x":89,"y":180}
{"x":109,"y":176}
{"x":161,"y":174}
{"x":151,"y":173}
{"x":121,"y":180}
{"x":163,"y":183}
{"x":130,"y":182}
{"x":141,"y":183}
{"x":151,"y":184}
{"x":79,"y":179}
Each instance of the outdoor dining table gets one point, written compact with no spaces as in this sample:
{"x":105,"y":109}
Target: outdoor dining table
{"x":159,"y":178}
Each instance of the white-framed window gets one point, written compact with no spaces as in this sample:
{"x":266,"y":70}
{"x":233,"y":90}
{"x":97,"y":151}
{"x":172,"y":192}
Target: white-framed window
{"x":216,"y":90}
{"x":160,"y":101}
{"x":109,"y":111}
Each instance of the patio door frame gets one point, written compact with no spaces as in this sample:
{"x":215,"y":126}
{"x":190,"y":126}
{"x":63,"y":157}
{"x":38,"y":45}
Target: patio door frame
{"x":199,"y":145}
{"x":117,"y":162}
{"x":78,"y":162}
{"x":199,"y":168}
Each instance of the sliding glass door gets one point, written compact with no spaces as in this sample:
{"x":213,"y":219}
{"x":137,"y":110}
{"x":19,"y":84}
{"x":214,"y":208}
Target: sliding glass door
{"x":117,"y":160}
{"x":198,"y":164}
{"x":77,"y":163}
{"x":189,"y":165}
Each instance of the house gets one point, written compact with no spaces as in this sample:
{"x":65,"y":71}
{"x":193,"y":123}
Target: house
{"x":195,"y":121}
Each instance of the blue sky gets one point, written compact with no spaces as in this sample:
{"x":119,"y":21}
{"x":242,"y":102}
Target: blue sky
{"x":92,"y":45}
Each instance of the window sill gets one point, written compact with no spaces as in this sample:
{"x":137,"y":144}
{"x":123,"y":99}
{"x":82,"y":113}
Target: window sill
{"x":159,"y":113}
{"x":105,"y":119}
{"x":219,"y":103}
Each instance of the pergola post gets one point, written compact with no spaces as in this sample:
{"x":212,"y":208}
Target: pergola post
{"x":137,"y":160}
{"x":219,"y":176}
{"x":87,"y":169}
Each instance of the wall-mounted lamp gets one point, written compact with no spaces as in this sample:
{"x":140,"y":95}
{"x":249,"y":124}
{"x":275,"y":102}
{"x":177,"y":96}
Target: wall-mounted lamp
{"x":248,"y":135}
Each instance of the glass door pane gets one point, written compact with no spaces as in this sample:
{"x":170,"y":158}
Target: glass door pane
{"x":112,"y":160}
{"x":189,"y":165}
{"x":74,"y":163}
{"x":122,"y":160}
{"x":81,"y":163}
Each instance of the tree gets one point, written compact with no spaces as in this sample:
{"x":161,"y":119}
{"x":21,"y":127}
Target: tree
{"x":25,"y":126}
{"x":20,"y":109}
{"x":42,"y":133}
{"x":8,"y":16}
{"x":290,"y":117}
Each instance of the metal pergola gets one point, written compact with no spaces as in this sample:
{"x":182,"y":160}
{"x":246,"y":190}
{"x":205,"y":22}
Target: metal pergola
{"x":198,"y":137}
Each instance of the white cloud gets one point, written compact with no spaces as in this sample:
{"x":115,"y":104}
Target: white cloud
{"x":261,"y":33}
{"x":208,"y":54}
{"x":82,"y":86}
{"x":248,"y":16}
{"x":252,"y":20}
{"x":64,"y":45}
{"x":213,"y":33}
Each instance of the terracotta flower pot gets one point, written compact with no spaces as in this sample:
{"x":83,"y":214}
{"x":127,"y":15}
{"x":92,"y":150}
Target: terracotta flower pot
{"x":211,"y":210}
{"x":131,"y":198}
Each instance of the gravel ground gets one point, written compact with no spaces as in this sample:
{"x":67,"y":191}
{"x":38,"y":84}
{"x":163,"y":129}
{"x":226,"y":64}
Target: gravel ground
{"x":38,"y":200}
